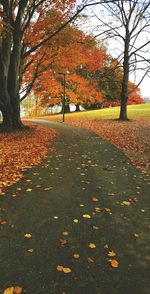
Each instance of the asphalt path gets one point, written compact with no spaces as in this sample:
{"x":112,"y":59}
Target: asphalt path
{"x":78,"y":223}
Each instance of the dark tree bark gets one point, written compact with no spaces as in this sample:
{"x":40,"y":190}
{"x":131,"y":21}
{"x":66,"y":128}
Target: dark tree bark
{"x":77,"y":107}
{"x":125,"y":80}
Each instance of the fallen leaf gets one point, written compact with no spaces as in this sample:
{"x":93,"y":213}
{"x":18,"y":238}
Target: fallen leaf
{"x":94,"y":199}
{"x":9,"y":290}
{"x":60,"y":268}
{"x":47,"y":189}
{"x":114,"y":263}
{"x":13,"y":290}
{"x":136,"y":235}
{"x":97,"y":209}
{"x":75,"y":221}
{"x":111,"y":253}
{"x":127,"y":203}
{"x":105,"y":246}
{"x":66,"y":270}
{"x":27,"y":235}
{"x":17,"y":290}
{"x":55,"y":217}
{"x":65,"y":233}
{"x":90,"y":260}
{"x":107,"y":209}
{"x":63,"y":242}
{"x":29,"y":190}
{"x":30,"y":250}
{"x":86,"y":216}
{"x":92,"y":245}
{"x":76,"y":256}
{"x":95,"y":228}
{"x":2,"y":222}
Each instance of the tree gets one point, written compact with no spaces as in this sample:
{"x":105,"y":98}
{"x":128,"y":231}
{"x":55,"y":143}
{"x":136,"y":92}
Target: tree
{"x":17,"y":18}
{"x":126,"y":22}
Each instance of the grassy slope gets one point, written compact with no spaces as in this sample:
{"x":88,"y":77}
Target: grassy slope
{"x":134,"y":112}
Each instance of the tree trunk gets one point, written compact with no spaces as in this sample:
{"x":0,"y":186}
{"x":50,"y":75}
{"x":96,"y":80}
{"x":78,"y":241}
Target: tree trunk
{"x":124,"y":89}
{"x":11,"y":118}
{"x":77,"y":107}
{"x":66,"y":108}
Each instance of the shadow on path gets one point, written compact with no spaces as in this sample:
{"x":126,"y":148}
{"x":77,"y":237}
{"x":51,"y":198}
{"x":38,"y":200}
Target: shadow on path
{"x":84,"y":175}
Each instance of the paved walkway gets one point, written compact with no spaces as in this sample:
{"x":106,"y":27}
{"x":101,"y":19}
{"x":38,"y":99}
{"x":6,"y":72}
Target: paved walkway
{"x":84,"y":193}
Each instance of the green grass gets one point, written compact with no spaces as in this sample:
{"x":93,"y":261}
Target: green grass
{"x":134,"y":112}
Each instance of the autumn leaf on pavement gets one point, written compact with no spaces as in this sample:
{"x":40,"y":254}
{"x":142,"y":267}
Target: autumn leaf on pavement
{"x":27,"y":235}
{"x":106,"y":246}
{"x":63,"y":242}
{"x":95,"y":228}
{"x":13,"y":290}
{"x":114,"y":263}
{"x":94,"y":199}
{"x":86,"y":216}
{"x":60,"y":268}
{"x":92,"y":245}
{"x":66,"y":270}
{"x":136,"y":235}
{"x":75,"y":221}
{"x":2,"y":222}
{"x":127,"y":203}
{"x":65,"y":233}
{"x":29,"y":190}
{"x":108,"y":210}
{"x":30,"y":250}
{"x":97,"y":209}
{"x":90,"y":260}
{"x":76,"y":256}
{"x":111,"y":253}
{"x":17,"y":290}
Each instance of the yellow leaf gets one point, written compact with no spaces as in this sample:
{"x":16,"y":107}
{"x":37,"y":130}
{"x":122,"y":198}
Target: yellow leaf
{"x":75,"y":221}
{"x":29,"y":190}
{"x":66,"y":270}
{"x":111,"y":253}
{"x":97,"y":209}
{"x":30,"y":250}
{"x":136,"y":235}
{"x":65,"y":233}
{"x":105,"y":246}
{"x":13,"y":290}
{"x":27,"y":235}
{"x":76,"y":256}
{"x":94,"y":199}
{"x":92,"y":245}
{"x":9,"y":290}
{"x":86,"y":216}
{"x":60,"y":268}
{"x":127,"y":203}
{"x":55,"y":217}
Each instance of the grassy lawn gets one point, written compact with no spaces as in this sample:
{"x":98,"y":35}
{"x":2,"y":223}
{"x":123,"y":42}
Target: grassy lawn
{"x":134,"y":112}
{"x":132,"y":137}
